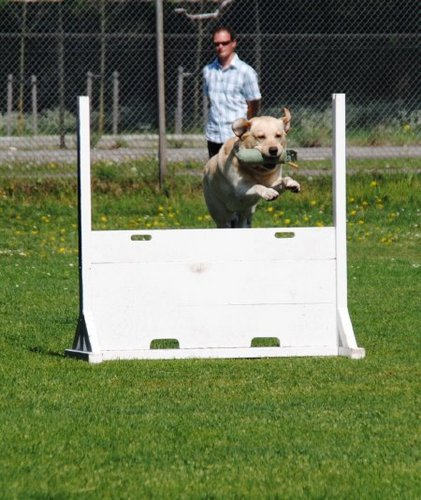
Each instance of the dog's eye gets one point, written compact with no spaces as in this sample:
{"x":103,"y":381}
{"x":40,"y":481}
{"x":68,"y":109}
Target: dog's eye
{"x":278,"y":134}
{"x":261,"y":136}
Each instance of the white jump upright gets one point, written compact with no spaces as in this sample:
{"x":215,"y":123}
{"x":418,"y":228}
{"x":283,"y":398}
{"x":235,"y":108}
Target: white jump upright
{"x":213,"y":291}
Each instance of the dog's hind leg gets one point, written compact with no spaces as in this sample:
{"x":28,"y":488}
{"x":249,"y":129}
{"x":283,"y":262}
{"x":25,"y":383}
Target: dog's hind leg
{"x":234,"y":223}
{"x":226,"y":221}
{"x":245,"y":218}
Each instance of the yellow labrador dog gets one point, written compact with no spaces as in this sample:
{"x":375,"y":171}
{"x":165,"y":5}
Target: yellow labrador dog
{"x":247,"y":169}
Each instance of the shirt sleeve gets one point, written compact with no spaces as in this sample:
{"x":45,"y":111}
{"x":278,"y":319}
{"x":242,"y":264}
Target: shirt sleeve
{"x":205,"y":82}
{"x":251,"y":85}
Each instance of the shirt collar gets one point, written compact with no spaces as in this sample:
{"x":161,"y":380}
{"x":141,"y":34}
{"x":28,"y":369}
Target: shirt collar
{"x":233,"y":63}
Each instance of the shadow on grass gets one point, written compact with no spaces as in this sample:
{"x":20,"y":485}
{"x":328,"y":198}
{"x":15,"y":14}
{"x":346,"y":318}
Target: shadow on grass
{"x":46,"y":352}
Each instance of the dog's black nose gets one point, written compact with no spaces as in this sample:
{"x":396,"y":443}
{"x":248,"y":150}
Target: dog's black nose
{"x":273,"y":151}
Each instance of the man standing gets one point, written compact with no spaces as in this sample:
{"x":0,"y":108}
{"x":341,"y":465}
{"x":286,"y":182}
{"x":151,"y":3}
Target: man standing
{"x":231,"y":87}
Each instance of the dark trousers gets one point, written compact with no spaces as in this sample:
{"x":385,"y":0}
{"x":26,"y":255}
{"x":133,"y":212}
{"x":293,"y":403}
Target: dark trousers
{"x":213,"y":148}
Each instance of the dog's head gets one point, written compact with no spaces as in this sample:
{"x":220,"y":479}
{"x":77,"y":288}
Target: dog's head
{"x":264,"y":133}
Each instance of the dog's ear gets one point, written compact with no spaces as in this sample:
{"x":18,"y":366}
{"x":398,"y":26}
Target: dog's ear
{"x":240,"y":126}
{"x":286,"y":119}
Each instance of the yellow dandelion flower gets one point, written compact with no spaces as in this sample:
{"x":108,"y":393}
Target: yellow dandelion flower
{"x":373,"y":184}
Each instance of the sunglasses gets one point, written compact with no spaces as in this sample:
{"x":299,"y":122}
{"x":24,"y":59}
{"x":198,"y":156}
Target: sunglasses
{"x":222,"y":43}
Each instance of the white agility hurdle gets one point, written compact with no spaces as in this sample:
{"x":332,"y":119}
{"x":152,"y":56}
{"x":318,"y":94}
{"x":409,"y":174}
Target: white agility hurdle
{"x":214,"y":291}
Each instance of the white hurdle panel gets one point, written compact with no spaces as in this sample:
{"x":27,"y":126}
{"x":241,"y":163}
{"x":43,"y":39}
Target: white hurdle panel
{"x":213,"y":290}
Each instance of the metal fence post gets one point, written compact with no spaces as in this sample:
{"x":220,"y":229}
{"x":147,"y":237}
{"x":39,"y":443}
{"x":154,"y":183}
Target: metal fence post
{"x":179,"y":108}
{"x":9,"y":104}
{"x":180,"y":90}
{"x":61,"y":72}
{"x":162,"y":153}
{"x":34,"y":105}
{"x":115,"y":102}
{"x":89,"y":78}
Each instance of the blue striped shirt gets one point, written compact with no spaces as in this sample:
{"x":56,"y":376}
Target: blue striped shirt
{"x":228,"y":90}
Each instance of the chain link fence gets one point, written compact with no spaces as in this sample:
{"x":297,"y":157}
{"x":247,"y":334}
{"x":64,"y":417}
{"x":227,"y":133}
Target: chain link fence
{"x":51,"y":51}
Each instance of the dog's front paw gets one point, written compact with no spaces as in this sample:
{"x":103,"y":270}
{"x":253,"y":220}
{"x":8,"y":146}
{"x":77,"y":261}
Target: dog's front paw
{"x":292,"y":185}
{"x":269,"y":194}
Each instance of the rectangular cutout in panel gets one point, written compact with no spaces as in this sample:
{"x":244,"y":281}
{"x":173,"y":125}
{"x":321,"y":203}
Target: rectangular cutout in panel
{"x":286,"y":234}
{"x":265,"y":342}
{"x":141,"y":237}
{"x":165,"y":344}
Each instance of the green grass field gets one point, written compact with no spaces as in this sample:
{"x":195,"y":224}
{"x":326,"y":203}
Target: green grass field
{"x":267,"y":428}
